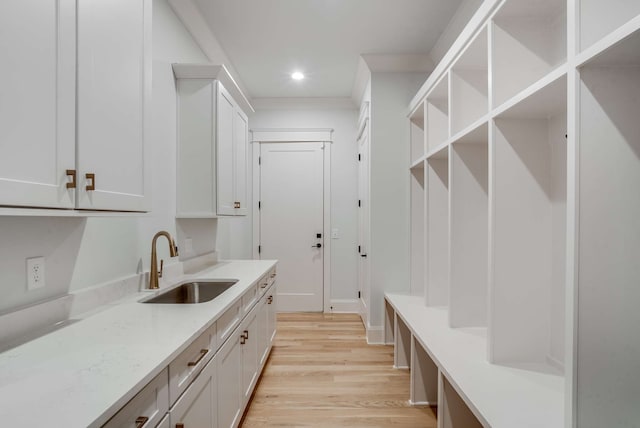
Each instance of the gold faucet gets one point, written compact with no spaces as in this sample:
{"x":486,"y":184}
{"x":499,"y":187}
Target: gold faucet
{"x":154,"y":274}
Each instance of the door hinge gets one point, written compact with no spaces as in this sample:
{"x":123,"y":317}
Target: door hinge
{"x":358,"y":248}
{"x":359,"y":203}
{"x":359,"y":295}
{"x":259,"y":249}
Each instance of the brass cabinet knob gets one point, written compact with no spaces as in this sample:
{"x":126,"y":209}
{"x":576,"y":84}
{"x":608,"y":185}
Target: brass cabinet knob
{"x":72,"y":174}
{"x":92,"y":186}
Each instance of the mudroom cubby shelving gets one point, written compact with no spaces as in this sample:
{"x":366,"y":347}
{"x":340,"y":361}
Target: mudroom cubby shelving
{"x":470,"y":85}
{"x":416,"y":131}
{"x":469,"y":229}
{"x":437,"y":105}
{"x":527,"y":213}
{"x":528,"y":229}
{"x":608,"y":349}
{"x":529,"y":39}
{"x":417,"y":228}
{"x":437,"y":233}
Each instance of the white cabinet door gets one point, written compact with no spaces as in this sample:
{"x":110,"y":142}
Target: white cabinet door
{"x":197,"y":407}
{"x":240,"y":141}
{"x":37,"y":102}
{"x":196,"y":187}
{"x":273,"y":313}
{"x":229,"y":382}
{"x":114,"y":85}
{"x":224,"y":147}
{"x":249,"y":348}
{"x":264,"y":338}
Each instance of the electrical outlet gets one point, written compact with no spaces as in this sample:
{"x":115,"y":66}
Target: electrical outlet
{"x":35,"y":273}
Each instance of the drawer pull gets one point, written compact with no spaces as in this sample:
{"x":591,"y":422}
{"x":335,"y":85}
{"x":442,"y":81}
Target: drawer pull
{"x":270,"y":300}
{"x":242,"y":339}
{"x":71,"y":173}
{"x":180,"y":425}
{"x":90,"y":177}
{"x":264,"y":284}
{"x":141,"y":421}
{"x":203,"y":352}
{"x":246,"y":334}
{"x":273,"y":275}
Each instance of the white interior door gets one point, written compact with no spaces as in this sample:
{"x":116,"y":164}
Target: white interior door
{"x":363,"y":222}
{"x":291,"y":221}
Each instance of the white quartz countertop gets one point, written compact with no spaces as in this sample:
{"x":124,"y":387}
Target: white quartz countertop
{"x":80,"y":375}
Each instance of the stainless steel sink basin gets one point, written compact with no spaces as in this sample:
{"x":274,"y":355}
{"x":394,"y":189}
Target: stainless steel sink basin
{"x":193,"y":292}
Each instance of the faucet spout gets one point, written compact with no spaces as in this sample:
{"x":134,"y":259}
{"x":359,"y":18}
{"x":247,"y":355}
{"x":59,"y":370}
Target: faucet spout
{"x":154,"y":274}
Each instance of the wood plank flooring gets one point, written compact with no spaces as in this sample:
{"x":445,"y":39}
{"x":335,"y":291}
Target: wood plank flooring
{"x":322,"y":373}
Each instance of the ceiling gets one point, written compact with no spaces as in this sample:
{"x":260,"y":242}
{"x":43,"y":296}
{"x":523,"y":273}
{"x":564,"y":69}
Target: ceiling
{"x":266,"y":40}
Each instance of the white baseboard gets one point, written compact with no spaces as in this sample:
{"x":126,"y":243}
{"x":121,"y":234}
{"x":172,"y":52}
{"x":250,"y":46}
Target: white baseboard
{"x":344,"y":306}
{"x":375,"y":335}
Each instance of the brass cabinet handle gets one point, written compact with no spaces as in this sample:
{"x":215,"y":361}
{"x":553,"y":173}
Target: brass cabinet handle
{"x":242,"y":339}
{"x":246,"y":334}
{"x":264,"y":284}
{"x":203,"y":352}
{"x":236,"y":204}
{"x":72,"y":174}
{"x":270,"y":300}
{"x":180,"y":425}
{"x":91,"y":176}
{"x":141,"y":421}
{"x":273,"y":275}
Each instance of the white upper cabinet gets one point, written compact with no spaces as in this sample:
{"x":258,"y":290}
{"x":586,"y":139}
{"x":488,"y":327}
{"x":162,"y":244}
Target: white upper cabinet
{"x":224,"y":146}
{"x":74,"y":140}
{"x":37,"y":102}
{"x":114,"y":86}
{"x":212,"y":143}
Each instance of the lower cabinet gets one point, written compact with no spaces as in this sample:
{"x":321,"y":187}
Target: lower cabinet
{"x":249,"y":348}
{"x":197,"y":407}
{"x":229,"y":381}
{"x":198,"y":391}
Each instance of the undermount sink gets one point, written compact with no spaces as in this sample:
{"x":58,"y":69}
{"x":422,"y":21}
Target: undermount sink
{"x":193,"y":292}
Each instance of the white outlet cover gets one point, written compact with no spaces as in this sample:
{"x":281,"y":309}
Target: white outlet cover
{"x":35,"y":273}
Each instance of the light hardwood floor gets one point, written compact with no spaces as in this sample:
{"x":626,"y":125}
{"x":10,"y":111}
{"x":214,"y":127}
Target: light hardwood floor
{"x":322,"y":373}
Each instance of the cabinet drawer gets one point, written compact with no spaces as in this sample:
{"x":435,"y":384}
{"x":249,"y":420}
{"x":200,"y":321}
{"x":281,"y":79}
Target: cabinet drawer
{"x":228,"y":321}
{"x":250,"y":297}
{"x":186,"y":366}
{"x":147,"y":408}
{"x":271,"y":276}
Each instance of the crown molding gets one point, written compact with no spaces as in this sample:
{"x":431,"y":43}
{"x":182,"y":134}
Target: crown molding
{"x":310,"y":103}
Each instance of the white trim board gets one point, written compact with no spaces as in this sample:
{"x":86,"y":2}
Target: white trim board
{"x":292,"y":135}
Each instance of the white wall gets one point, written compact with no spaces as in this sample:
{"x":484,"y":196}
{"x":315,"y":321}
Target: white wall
{"x":389,"y":194}
{"x":84,"y":252}
{"x":344,"y":183}
{"x":462,"y":16}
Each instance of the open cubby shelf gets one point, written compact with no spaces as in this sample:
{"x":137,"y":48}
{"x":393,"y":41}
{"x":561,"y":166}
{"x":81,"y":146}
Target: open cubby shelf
{"x":530,"y":220}
{"x":416,"y":131}
{"x":528,"y":41}
{"x":437,"y":106}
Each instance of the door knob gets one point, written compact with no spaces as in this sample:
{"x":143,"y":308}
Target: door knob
{"x":318,"y":245}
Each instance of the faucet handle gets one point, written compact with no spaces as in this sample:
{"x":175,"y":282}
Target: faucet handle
{"x":161,"y":266}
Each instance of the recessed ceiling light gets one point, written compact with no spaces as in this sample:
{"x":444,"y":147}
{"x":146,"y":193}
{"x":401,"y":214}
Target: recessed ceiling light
{"x":296,"y":75}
